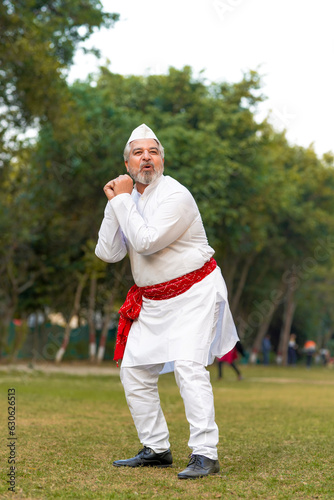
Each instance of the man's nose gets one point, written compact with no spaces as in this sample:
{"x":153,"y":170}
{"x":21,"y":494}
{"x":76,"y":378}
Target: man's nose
{"x":146,"y":154}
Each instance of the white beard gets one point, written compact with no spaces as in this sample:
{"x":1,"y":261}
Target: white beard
{"x":145,"y":177}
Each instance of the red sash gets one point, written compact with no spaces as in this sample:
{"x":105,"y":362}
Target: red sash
{"x":131,"y":308}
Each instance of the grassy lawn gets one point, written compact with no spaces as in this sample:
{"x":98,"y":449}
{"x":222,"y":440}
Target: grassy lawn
{"x":276,"y":437}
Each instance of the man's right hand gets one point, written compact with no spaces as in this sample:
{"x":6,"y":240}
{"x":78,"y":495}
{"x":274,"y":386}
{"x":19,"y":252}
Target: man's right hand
{"x":109,"y":190}
{"x":122,"y":184}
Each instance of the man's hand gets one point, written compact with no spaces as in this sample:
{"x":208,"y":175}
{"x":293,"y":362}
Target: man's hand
{"x":122,"y":184}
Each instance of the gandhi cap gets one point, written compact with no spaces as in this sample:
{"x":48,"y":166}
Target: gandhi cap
{"x":142,"y":132}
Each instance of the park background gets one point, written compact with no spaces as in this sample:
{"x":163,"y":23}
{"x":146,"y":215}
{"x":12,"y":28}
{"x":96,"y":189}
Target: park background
{"x":266,"y":202}
{"x":240,"y":94}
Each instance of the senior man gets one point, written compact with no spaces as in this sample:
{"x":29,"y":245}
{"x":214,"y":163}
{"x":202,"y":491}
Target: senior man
{"x":176,"y":317}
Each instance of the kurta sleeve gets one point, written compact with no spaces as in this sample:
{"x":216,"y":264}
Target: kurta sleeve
{"x":111,"y":245}
{"x":171,"y":219}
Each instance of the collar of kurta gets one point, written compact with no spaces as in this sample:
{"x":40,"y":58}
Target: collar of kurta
{"x":151,"y":186}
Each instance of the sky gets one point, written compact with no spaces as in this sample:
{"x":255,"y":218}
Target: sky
{"x":289,"y":42}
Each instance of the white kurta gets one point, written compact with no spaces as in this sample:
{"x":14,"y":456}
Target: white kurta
{"x":163,"y":233}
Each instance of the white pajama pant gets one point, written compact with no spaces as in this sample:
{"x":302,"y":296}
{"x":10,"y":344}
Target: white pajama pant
{"x":141,"y":391}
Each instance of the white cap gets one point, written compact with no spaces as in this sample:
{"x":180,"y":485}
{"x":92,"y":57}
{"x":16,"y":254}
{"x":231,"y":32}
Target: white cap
{"x":142,"y":132}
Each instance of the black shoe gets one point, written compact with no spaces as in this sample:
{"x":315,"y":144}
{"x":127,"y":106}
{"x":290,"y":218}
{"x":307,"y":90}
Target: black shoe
{"x":147,"y":458}
{"x":199,"y":466}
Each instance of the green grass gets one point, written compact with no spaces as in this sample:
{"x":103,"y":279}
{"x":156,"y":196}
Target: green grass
{"x":276,"y":437}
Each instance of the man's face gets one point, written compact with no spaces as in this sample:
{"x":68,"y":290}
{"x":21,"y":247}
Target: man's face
{"x":145,"y":163}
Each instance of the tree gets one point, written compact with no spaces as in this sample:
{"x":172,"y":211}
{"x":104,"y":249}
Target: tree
{"x":37,"y":44}
{"x":265,"y":203}
{"x":19,"y":265}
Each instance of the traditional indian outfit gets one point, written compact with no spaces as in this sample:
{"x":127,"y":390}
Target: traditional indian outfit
{"x":163,"y":234}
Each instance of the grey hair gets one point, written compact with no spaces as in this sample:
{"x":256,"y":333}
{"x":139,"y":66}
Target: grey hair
{"x":127,"y":150}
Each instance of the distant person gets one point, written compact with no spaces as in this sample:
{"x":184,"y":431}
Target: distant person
{"x":231,"y":358}
{"x":310,"y":348}
{"x":266,"y":348}
{"x":292,"y":350}
{"x":325,"y":356}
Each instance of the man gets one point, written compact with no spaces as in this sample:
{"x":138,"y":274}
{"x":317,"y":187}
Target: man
{"x":266,"y":348}
{"x":176,"y":316}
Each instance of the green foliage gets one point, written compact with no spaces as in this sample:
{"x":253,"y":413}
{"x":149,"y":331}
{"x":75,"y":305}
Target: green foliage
{"x":266,"y":204}
{"x":37,"y":42}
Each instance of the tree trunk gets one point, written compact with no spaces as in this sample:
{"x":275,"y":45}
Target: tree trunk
{"x":10,"y":296}
{"x":289,"y":310}
{"x":262,"y":331}
{"x":229,"y":273}
{"x":243,"y":277}
{"x":267,"y":308}
{"x":328,"y":336}
{"x":107,"y":312}
{"x":75,"y":310}
{"x":5,"y":320}
{"x":91,"y":317}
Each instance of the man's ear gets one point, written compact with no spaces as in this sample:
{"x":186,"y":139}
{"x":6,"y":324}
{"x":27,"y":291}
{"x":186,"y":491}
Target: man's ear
{"x":126,"y":165}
